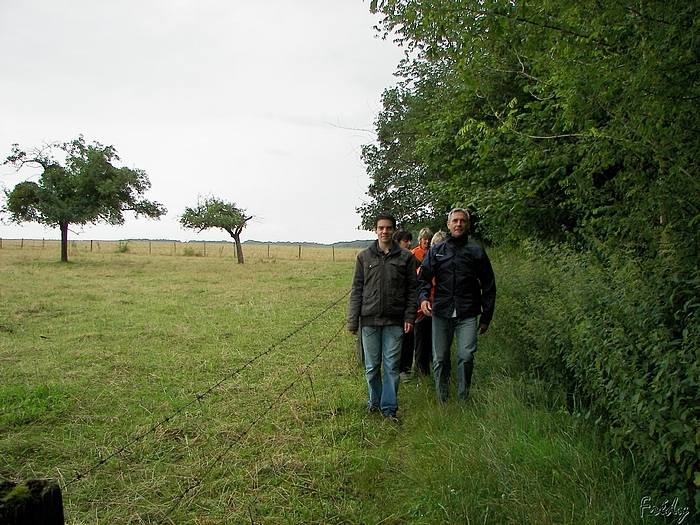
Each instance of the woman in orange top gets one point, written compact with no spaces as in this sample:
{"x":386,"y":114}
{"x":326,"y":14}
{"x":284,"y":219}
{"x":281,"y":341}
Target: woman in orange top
{"x":423,"y":346}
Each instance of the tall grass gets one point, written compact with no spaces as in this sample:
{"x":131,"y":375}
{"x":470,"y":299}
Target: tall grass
{"x":96,"y":352}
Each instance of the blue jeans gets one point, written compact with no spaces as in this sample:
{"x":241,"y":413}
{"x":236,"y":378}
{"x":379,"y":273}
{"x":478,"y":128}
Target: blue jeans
{"x":444,"y":330}
{"x":382,"y":344}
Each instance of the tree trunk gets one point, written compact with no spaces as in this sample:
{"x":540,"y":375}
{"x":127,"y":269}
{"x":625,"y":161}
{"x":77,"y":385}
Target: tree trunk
{"x":64,"y":241}
{"x":239,"y":249}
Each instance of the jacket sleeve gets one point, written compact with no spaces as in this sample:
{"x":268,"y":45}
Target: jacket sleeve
{"x":425,"y":279}
{"x":355,"y":304}
{"x":488,"y":291}
{"x":411,"y":286}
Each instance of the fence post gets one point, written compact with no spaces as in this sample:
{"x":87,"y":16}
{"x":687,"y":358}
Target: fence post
{"x":300,"y":252}
{"x":36,"y":502}
{"x":0,"y":243}
{"x":90,"y":245}
{"x":21,"y":244}
{"x":149,"y":248}
{"x":205,"y":248}
{"x":333,"y":247}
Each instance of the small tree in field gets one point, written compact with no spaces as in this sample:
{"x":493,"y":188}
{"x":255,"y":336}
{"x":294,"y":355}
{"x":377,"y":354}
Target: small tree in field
{"x":216,"y":213}
{"x":88,"y":189}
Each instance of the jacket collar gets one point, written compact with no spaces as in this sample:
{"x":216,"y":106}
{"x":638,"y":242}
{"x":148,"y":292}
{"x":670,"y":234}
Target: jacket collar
{"x":459,"y":241}
{"x":375,"y":248}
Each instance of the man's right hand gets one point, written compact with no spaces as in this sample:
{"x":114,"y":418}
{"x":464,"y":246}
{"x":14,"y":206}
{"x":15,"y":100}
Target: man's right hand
{"x":426,"y":308}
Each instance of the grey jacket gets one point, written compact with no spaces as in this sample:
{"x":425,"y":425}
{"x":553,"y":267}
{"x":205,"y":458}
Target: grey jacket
{"x":383,"y":288}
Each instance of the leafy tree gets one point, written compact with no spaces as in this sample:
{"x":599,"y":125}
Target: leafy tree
{"x":574,"y":122}
{"x":216,"y":213}
{"x":556,"y":119}
{"x":87,"y":189}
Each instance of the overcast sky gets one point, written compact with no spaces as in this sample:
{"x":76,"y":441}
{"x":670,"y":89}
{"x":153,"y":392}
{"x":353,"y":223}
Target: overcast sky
{"x":264,"y":103}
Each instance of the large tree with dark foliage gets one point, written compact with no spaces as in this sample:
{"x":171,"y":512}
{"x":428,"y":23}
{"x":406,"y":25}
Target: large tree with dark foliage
{"x":88,"y":188}
{"x":573,"y":123}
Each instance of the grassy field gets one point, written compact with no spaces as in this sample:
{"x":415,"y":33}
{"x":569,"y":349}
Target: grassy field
{"x":193,"y":390}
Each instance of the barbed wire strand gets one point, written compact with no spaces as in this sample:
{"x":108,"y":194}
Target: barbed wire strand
{"x":216,"y":461}
{"x":202,"y":395}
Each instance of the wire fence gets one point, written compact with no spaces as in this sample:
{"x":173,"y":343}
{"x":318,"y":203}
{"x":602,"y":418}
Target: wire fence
{"x":267,"y":251}
{"x":199,"y":479}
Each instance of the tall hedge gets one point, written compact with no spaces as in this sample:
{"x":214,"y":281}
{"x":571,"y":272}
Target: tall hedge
{"x":597,"y":331}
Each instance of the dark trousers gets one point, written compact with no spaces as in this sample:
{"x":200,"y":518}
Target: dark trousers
{"x":406,"y":363}
{"x":423,"y":353}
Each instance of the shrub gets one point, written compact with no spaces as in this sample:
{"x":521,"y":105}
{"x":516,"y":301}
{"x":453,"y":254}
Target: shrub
{"x":122,"y":247}
{"x":607,"y":335}
{"x":190,"y":251}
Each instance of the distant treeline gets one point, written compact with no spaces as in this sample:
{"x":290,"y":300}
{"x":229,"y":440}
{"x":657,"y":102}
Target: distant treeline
{"x":343,"y":244}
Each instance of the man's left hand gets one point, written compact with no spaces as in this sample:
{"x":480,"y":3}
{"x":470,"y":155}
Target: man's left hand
{"x":482,"y":328}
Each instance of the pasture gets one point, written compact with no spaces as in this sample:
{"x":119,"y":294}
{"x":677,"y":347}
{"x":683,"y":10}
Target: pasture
{"x":165,"y":388}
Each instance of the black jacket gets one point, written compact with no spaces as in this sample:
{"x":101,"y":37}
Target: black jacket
{"x":464,"y":280}
{"x":383,"y":288}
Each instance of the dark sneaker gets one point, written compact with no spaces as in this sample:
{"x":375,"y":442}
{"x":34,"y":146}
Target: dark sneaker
{"x":371,"y":409}
{"x":393,"y":419}
{"x":405,"y":377}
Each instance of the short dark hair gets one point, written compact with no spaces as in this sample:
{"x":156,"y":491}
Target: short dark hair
{"x":403,"y":235}
{"x":385,"y":216}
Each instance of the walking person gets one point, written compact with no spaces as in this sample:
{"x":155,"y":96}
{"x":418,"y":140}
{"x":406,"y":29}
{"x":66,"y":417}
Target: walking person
{"x":382,"y":297}
{"x":463,"y":304}
{"x":404,"y":238}
{"x":422,"y":332}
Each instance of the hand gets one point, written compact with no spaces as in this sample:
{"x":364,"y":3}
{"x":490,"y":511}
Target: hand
{"x":482,"y":328}
{"x":426,"y":308}
{"x":353,"y":332}
{"x":407,"y":328}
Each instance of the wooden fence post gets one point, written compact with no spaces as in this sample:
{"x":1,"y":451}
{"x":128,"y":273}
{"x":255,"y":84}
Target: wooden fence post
{"x":36,"y":502}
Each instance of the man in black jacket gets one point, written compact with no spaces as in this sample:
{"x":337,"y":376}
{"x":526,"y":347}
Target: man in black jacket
{"x":465,"y":288}
{"x":383,"y":298}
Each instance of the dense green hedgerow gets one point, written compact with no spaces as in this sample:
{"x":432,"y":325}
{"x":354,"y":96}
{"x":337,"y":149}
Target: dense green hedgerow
{"x":603,"y":335}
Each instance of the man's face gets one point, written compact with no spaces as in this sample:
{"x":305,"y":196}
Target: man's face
{"x":384,"y":230}
{"x":424,"y":243}
{"x":458,"y":224}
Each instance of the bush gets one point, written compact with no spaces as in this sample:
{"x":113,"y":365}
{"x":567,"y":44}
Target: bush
{"x":122,"y":247}
{"x":606,"y":334}
{"x":190,"y":251}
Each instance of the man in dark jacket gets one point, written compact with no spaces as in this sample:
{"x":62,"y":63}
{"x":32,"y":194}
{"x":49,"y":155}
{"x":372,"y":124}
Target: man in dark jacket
{"x":465,"y":288}
{"x":383,"y":298}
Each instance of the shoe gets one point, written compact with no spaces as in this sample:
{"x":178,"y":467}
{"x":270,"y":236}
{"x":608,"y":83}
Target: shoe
{"x":371,"y":409}
{"x":405,"y":377}
{"x":393,"y":419}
